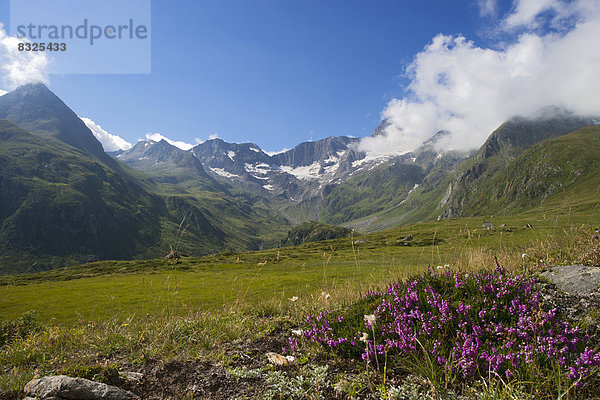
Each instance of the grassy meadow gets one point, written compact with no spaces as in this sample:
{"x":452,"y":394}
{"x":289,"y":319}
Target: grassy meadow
{"x":344,"y":266}
{"x":130,"y":311}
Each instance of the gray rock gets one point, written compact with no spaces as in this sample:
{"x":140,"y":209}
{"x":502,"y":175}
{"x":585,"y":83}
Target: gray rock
{"x":488,"y":225}
{"x":61,"y":387}
{"x":575,"y":279}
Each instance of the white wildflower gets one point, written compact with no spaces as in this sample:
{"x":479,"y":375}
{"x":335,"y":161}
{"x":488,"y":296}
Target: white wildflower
{"x":364,"y":337}
{"x":293,"y":299}
{"x":297,"y":332}
{"x":370,"y":319}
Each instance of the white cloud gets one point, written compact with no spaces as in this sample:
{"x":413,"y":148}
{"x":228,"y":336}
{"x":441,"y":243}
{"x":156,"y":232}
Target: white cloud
{"x":109,"y":141}
{"x":525,"y":11}
{"x":470,"y":90}
{"x":272,"y":153}
{"x":157,"y":137}
{"x":213,"y":136}
{"x":20,"y":67}
{"x":487,"y":8}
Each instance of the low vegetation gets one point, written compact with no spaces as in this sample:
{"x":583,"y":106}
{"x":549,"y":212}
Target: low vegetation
{"x":312,"y":231}
{"x":462,"y":329}
{"x":454,"y":328}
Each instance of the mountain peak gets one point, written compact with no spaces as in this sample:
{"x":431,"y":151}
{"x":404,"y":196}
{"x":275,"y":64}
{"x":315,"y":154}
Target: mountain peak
{"x":380,"y":129}
{"x":32,"y":91}
{"x":36,"y":109}
{"x":33,"y":86}
{"x":520,"y":133}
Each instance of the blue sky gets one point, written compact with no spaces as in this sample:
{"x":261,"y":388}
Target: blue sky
{"x":269,"y":72}
{"x":277,"y":73}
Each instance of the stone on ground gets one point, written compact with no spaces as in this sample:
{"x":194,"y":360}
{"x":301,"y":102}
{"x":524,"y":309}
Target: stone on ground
{"x":61,"y":387}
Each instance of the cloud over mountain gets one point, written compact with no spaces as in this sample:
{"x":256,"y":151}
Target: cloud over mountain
{"x":109,"y":141}
{"x":546,"y":55}
{"x":157,"y":137}
{"x":20,"y":67}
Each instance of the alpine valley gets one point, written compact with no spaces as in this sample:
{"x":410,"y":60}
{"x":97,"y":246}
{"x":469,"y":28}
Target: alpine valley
{"x":63,"y":200}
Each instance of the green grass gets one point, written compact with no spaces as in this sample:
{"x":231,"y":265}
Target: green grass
{"x":103,"y":289}
{"x":129,"y":311}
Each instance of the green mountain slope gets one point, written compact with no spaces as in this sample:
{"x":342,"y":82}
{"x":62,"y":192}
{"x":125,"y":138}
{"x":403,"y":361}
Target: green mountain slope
{"x":507,"y":143}
{"x":453,"y":188}
{"x":557,"y":173}
{"x":371,"y":192}
{"x":312,"y":231}
{"x":63,"y":202}
{"x":245,"y":220}
{"x":392,"y":193}
{"x":34,"y":108}
{"x":57,"y":204}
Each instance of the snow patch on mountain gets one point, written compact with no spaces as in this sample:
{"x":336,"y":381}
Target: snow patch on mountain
{"x":260,"y":168}
{"x":371,"y":160}
{"x":303,"y":172}
{"x":222,"y":172}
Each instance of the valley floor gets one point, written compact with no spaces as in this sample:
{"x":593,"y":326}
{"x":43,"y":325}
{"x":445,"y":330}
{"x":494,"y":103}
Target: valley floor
{"x":213,"y":327}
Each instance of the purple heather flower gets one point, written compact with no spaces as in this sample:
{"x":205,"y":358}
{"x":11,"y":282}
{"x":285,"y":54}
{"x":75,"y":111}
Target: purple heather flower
{"x":498,"y":324}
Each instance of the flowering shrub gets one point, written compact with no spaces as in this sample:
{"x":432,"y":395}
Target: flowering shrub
{"x":466,"y":325}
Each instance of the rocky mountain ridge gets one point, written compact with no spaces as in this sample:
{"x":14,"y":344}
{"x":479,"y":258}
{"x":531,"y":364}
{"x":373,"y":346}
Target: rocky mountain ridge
{"x":298,"y":179}
{"x":64,"y":201}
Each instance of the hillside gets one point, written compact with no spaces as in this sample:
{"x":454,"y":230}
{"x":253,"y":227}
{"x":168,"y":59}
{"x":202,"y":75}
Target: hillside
{"x":370,"y":193}
{"x":65,"y":201}
{"x":58,"y":206}
{"x":34,"y":108}
{"x":455,"y":187}
{"x":506,"y":144}
{"x":313,"y":231}
{"x":565,"y":169}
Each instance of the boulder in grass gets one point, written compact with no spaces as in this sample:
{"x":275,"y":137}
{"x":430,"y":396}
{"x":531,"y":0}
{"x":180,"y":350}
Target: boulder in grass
{"x":62,"y":387}
{"x":488,"y":225}
{"x":579,"y":280}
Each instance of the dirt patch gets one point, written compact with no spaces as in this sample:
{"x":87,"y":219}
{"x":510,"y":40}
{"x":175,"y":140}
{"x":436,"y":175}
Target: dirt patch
{"x":178,"y":379}
{"x":203,"y":379}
